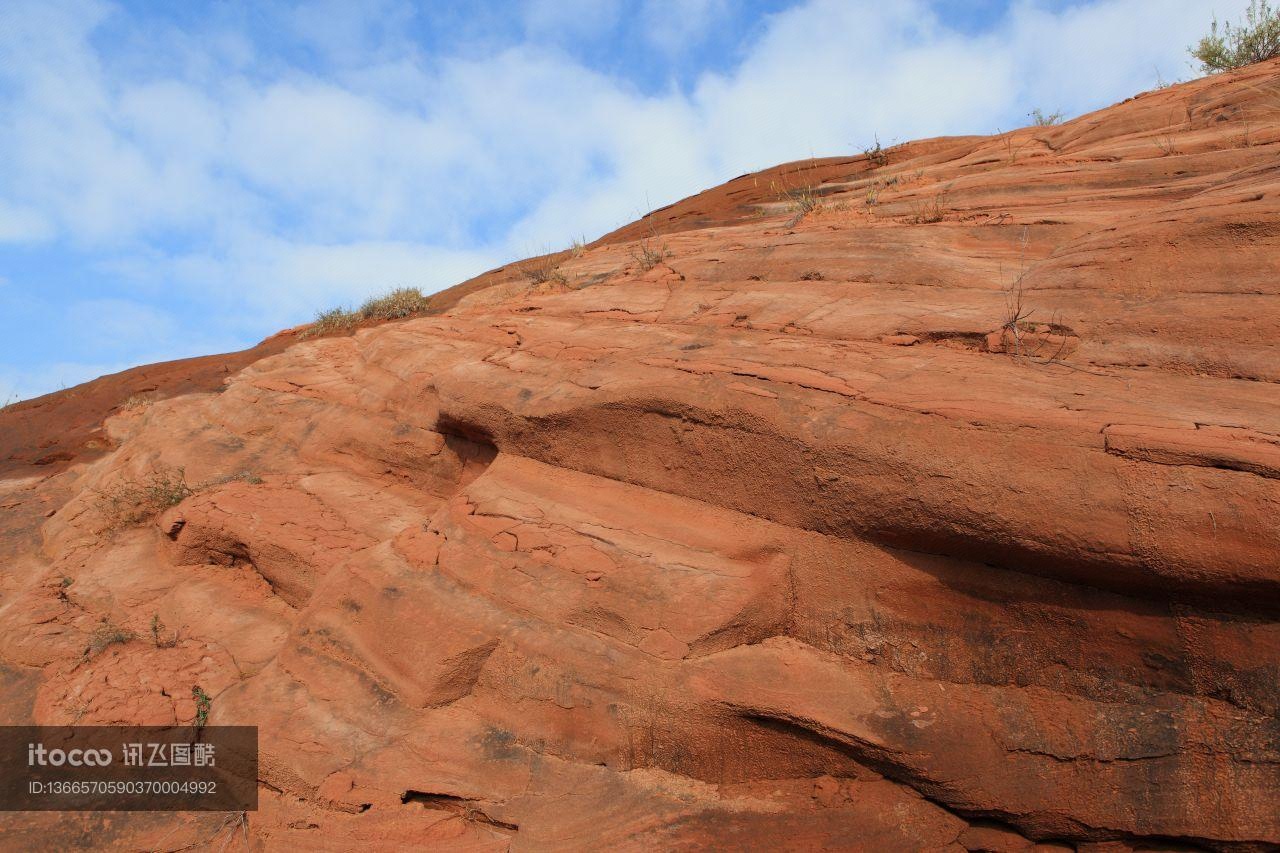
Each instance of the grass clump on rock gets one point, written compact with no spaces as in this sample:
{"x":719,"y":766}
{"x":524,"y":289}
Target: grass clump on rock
{"x":398,"y":304}
{"x":107,"y":635}
{"x":134,"y":501}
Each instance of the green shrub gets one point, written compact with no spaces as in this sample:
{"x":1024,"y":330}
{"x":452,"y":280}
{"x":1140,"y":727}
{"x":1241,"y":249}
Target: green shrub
{"x":1228,"y":47}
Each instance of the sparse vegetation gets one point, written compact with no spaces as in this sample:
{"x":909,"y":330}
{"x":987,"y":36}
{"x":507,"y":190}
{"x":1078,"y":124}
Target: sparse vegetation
{"x":204,"y":702}
{"x":648,"y":254}
{"x":395,"y":305}
{"x":1245,"y":138}
{"x":1040,"y":119}
{"x":1162,"y":83}
{"x":811,"y":275}
{"x":543,"y":271}
{"x":1017,"y":319}
{"x":239,"y":477}
{"x":399,"y":303}
{"x":1228,"y":47}
{"x":801,"y":201}
{"x":1166,"y":144}
{"x":876,"y":154}
{"x":106,"y":635}
{"x":1016,"y":314}
{"x":157,"y":634}
{"x":134,"y":501}
{"x":333,"y":321}
{"x":137,"y":401}
{"x":928,"y":211}
{"x":1010,"y":149}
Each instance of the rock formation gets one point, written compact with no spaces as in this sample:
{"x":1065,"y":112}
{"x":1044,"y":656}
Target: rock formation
{"x":923,"y":500}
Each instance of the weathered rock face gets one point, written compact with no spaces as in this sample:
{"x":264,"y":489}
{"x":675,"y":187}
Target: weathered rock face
{"x":854,"y":531}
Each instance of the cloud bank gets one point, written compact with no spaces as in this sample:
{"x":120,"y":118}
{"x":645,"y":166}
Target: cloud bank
{"x":169,"y":184}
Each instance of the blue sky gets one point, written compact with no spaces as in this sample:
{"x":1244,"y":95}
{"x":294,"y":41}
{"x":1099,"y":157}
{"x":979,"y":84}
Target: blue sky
{"x":185,"y":178}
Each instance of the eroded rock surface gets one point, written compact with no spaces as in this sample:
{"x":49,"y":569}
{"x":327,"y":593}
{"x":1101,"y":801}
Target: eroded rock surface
{"x":943,"y":522}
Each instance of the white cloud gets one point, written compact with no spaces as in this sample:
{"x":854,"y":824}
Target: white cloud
{"x":269,"y":190}
{"x":284,"y":282}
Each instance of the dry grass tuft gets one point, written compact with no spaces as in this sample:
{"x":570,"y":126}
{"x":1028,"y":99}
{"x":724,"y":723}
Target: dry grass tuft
{"x":928,"y":211}
{"x":801,"y":201}
{"x":398,"y":304}
{"x":332,"y":322}
{"x":106,"y":635}
{"x":648,"y":254}
{"x":544,"y":271}
{"x":1167,"y":145}
{"x":135,"y":501}
{"x":877,"y":155}
{"x":1042,"y":119}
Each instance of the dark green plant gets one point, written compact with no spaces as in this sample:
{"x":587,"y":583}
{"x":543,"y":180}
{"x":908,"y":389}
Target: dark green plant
{"x":203,"y":703}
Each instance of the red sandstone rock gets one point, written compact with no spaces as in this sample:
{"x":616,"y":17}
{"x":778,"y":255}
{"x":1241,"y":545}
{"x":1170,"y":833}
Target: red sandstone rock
{"x":687,"y":558}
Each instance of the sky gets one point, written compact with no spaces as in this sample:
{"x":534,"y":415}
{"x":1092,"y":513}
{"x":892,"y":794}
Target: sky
{"x":179,"y":179}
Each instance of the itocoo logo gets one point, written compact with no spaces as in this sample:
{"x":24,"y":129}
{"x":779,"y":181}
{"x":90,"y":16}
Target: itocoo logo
{"x":37,"y":754}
